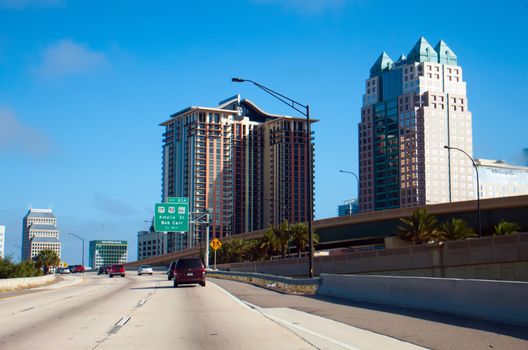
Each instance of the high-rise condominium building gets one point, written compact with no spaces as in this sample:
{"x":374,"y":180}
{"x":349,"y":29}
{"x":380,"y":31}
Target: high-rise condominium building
{"x":2,"y":240}
{"x":499,"y":179}
{"x":412,"y":108}
{"x":249,"y":167}
{"x":39,"y":232}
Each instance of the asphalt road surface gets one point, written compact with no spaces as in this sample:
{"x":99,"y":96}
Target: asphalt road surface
{"x":427,"y":329}
{"x":146,"y":312}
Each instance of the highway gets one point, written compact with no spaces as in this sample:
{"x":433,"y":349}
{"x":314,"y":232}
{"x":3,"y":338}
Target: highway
{"x":146,"y":312}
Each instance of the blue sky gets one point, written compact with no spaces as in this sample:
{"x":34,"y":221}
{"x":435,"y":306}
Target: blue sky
{"x":84,"y":84}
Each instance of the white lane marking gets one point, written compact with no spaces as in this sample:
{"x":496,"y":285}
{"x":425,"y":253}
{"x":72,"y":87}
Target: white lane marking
{"x":122,"y":321}
{"x":142,"y":301}
{"x":289,"y":324}
{"x":234,"y":298}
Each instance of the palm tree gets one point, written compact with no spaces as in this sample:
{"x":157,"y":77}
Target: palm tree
{"x":235,"y":249}
{"x":301,"y":238}
{"x":269,"y":244}
{"x":282,"y":232}
{"x":506,"y":228}
{"x":45,"y":259}
{"x":419,"y":228}
{"x":456,"y":229}
{"x":253,"y":251}
{"x":299,"y":233}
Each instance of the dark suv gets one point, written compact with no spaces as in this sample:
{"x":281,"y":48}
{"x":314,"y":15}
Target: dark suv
{"x":189,"y":271}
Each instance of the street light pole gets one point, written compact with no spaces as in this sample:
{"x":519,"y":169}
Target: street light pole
{"x":82,"y":239}
{"x":478,"y":186}
{"x":304,"y":110}
{"x":19,"y":247}
{"x":357,"y":178}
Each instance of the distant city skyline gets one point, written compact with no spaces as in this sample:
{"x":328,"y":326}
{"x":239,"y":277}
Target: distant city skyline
{"x":80,"y":102}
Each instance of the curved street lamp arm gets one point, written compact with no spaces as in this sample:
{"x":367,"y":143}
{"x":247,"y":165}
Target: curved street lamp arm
{"x":73,"y":234}
{"x":284,"y":99}
{"x":461,"y":150}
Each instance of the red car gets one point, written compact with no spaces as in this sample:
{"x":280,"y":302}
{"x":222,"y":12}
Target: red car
{"x":189,"y":271}
{"x":117,"y":269}
{"x":77,"y":269}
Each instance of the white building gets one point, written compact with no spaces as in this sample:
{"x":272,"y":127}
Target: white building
{"x":499,"y":179}
{"x":2,"y":241}
{"x":39,"y":232}
{"x":152,"y":244}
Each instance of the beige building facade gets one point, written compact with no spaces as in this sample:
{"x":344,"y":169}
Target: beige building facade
{"x":39,"y":232}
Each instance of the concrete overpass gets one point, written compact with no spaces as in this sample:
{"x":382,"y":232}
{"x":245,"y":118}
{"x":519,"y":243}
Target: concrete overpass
{"x":373,"y":227}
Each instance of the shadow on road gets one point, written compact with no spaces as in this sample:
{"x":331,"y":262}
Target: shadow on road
{"x":165,"y":287}
{"x":460,"y":321}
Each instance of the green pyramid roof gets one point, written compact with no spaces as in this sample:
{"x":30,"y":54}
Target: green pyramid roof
{"x":445,"y":54}
{"x":384,"y":62}
{"x":422,"y":52}
{"x":402,"y":58}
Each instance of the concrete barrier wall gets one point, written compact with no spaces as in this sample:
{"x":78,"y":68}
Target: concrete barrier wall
{"x":277,"y":283}
{"x":501,"y":258}
{"x":499,"y":301}
{"x":27,"y":282}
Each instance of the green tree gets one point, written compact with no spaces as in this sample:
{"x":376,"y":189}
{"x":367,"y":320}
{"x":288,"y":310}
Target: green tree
{"x":254,"y":251}
{"x":7,"y":267}
{"x":235,"y":249}
{"x":27,"y":268}
{"x":419,"y":228}
{"x":269,"y":244}
{"x":283,"y":235}
{"x":505,"y":228}
{"x":456,"y":229}
{"x":45,"y":259}
{"x":300,"y":237}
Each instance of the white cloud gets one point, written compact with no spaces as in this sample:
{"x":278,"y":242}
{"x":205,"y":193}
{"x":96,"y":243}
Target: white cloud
{"x":67,"y":57}
{"x":113,"y":207}
{"x":306,"y":6}
{"x":17,"y":137}
{"x":22,"y":4}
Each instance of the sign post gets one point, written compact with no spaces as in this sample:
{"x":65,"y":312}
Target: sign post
{"x":215,"y":244}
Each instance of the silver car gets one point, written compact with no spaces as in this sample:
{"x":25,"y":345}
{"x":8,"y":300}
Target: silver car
{"x":145,"y":270}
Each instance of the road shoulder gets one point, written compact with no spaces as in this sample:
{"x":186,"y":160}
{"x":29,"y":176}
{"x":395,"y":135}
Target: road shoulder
{"x":426,"y":329}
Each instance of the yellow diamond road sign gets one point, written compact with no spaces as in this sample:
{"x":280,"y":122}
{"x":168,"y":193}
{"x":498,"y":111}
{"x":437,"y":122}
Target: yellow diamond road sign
{"x":215,"y":244}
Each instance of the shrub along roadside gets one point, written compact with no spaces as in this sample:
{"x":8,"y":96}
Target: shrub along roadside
{"x":9,"y":269}
{"x":277,"y":241}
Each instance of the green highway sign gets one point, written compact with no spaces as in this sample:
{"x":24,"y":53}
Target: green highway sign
{"x":172,"y":216}
{"x":178,"y":200}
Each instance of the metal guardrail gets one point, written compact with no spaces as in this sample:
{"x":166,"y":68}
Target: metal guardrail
{"x":279,"y":283}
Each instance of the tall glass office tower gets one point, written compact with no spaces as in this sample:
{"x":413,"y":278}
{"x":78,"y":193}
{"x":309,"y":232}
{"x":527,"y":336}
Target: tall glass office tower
{"x":412,"y":108}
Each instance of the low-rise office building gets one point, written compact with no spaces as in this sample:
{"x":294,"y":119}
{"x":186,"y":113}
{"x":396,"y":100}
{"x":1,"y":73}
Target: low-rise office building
{"x":107,"y":252}
{"x":500,"y":179}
